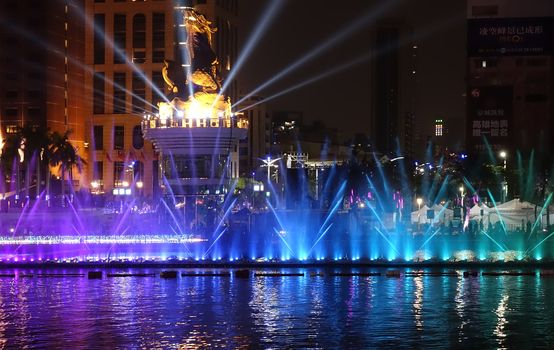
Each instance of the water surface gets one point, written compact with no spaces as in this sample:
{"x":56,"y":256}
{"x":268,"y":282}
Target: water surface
{"x":327,"y":312}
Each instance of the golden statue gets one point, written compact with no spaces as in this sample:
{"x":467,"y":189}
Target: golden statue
{"x":193,"y":78}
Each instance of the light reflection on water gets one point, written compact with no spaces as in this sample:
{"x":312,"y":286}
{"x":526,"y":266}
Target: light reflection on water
{"x":276,"y":312}
{"x":418,"y":303}
{"x":460,"y":301}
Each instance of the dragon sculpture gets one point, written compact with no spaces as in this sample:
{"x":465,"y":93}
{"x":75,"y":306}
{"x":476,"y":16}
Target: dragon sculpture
{"x":193,"y":79}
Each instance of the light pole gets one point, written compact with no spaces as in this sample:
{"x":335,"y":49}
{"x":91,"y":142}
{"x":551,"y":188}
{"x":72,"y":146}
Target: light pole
{"x":419,"y":201}
{"x":504,"y":156}
{"x":269,"y":163}
{"x":139,"y":184}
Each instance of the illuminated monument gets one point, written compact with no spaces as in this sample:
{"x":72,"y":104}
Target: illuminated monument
{"x":195,"y":131}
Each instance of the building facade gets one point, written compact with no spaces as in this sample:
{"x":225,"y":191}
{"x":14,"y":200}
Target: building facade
{"x":258,"y":142}
{"x":41,"y":68}
{"x":394,"y":69}
{"x":126,"y":45}
{"x":510,"y":76}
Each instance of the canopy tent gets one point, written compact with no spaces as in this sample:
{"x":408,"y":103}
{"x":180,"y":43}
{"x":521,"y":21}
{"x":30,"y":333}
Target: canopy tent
{"x":419,"y":216}
{"x":546,"y":222}
{"x":478,"y":211}
{"x":440,"y":214}
{"x":548,"y":212}
{"x":444,"y":214}
{"x":517,"y":205}
{"x":514,"y":214}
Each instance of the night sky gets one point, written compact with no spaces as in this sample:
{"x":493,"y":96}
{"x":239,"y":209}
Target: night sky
{"x":343,"y":99}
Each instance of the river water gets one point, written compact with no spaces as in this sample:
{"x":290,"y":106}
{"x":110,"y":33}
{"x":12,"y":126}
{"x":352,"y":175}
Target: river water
{"x":48,"y":311}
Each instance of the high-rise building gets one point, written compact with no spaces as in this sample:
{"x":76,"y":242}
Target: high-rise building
{"x":510,"y":76}
{"x":298,"y":142}
{"x":285,"y":130}
{"x":439,"y":127}
{"x":394,"y":80}
{"x":41,"y":69}
{"x":439,"y":134}
{"x":258,"y":142}
{"x":126,"y":45}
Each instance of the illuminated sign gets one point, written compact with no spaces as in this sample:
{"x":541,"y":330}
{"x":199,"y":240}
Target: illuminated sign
{"x":510,"y":36}
{"x":490,"y":111}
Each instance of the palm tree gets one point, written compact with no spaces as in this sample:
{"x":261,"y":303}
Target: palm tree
{"x":11,"y":156}
{"x":36,"y":142}
{"x":2,"y":168}
{"x":63,"y":154}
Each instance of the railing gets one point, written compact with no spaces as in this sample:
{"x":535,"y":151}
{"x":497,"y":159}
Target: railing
{"x":127,"y":239}
{"x":190,"y":123}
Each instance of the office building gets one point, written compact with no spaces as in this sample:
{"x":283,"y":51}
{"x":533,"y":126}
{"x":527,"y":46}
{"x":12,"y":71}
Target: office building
{"x":41,"y":69}
{"x":510,"y":76}
{"x":126,"y":45}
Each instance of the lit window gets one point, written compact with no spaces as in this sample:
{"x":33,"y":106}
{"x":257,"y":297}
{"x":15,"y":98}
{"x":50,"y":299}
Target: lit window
{"x":11,"y":129}
{"x":439,"y":130}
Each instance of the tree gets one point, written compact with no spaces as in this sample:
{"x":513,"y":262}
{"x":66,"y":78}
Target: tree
{"x":11,"y":157}
{"x":36,"y":140}
{"x":63,"y":154}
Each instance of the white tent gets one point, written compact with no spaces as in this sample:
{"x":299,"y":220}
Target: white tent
{"x":477,"y":212}
{"x":419,"y":216}
{"x":545,"y":222}
{"x":443,"y":214}
{"x":440,"y":214}
{"x":515,"y":214}
{"x":545,"y":213}
{"x":517,"y":206}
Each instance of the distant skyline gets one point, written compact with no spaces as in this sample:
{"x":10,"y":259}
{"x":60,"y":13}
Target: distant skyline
{"x":343,"y":100}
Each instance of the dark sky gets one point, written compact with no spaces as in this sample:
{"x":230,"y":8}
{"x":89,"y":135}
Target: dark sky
{"x":343,"y":99}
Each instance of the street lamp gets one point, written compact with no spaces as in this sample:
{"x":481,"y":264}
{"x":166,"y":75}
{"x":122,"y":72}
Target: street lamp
{"x":419,"y":201}
{"x":504,"y":156}
{"x":269,"y":163}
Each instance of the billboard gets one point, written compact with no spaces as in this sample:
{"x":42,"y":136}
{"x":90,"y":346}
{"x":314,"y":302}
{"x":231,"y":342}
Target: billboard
{"x":510,"y":36}
{"x":490,"y":116}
